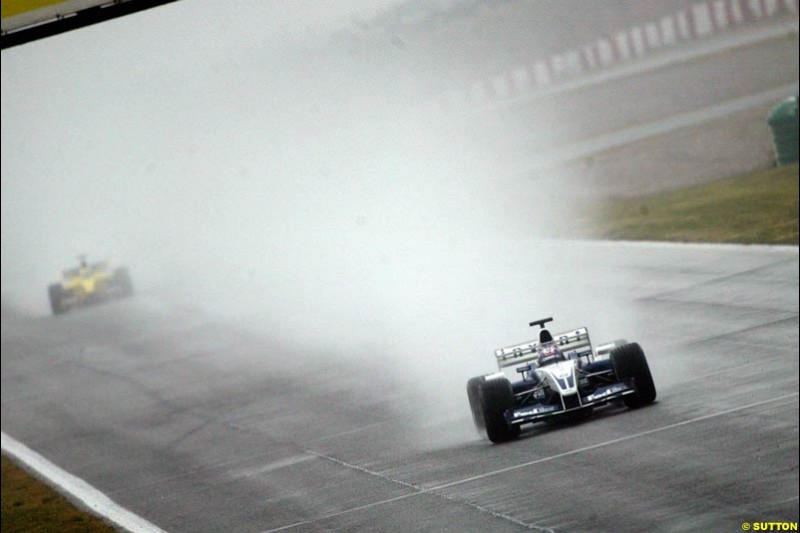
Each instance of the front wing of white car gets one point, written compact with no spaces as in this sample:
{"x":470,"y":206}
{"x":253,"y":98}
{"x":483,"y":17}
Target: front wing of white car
{"x":568,"y":403}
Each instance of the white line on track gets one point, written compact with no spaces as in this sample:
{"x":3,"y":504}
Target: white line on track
{"x":97,"y":502}
{"x":433,"y":490}
{"x":347,"y":432}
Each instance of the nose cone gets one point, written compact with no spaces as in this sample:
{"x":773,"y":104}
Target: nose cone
{"x":561,"y":378}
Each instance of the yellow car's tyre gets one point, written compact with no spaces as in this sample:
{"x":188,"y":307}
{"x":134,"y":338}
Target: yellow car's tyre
{"x":56,"y":294}
{"x":122,"y":279}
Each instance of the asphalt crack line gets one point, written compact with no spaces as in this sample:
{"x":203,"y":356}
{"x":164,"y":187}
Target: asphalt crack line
{"x":419,"y":490}
{"x":733,"y":275}
{"x":434,"y":490}
{"x":723,"y":336}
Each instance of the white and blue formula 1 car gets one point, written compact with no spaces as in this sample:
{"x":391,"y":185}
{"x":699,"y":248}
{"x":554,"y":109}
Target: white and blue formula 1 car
{"x":561,"y":377}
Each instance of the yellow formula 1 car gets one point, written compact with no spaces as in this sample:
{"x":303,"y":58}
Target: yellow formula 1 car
{"x":88,"y":284}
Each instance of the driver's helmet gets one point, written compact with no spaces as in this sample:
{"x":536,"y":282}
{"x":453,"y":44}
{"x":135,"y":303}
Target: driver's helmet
{"x":549,"y":353}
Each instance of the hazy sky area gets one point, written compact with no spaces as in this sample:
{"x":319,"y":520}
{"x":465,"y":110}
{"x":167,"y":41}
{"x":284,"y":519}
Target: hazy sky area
{"x":227,"y":155}
{"x":154,"y":115}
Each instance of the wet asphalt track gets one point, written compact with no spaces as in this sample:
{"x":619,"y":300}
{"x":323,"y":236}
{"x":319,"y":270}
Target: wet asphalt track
{"x":199,"y":424}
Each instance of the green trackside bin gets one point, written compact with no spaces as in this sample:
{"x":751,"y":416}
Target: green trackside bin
{"x":783,"y":121}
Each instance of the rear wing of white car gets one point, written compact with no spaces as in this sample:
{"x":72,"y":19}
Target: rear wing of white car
{"x":573,"y":343}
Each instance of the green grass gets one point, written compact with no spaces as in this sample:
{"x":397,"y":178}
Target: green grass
{"x":760,"y":208}
{"x":30,"y":506}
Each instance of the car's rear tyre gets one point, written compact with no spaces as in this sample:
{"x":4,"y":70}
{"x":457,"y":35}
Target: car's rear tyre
{"x":496,"y":397}
{"x":629,"y":362}
{"x":122,"y":279}
{"x":56,"y":295}
{"x":473,"y":393}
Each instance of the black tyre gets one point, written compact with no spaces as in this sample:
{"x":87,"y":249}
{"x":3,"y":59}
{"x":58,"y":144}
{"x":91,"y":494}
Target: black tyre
{"x":473,"y":393}
{"x":122,"y":279}
{"x":56,"y":295}
{"x":496,"y":397}
{"x":629,"y":362}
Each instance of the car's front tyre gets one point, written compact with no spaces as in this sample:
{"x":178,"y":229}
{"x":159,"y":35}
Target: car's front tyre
{"x":122,"y":279}
{"x":630,"y":363}
{"x":473,"y":393}
{"x":496,"y":397}
{"x":55,"y":294}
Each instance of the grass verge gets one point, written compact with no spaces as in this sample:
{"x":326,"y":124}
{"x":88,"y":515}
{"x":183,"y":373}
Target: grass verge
{"x":759,"y":208}
{"x":30,"y":506}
